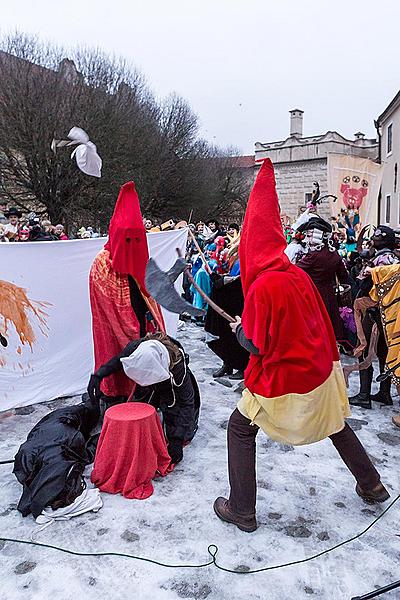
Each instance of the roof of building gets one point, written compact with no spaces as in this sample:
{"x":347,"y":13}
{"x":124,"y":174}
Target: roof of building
{"x":395,"y":103}
{"x":295,"y":140}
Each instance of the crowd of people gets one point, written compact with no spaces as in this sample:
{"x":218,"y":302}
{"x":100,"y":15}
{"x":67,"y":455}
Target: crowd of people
{"x":16,"y":227}
{"x":338,"y":257}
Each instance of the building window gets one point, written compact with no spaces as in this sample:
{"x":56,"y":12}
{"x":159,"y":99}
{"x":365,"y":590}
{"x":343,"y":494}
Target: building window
{"x":395,"y":179}
{"x":389,"y":138}
{"x":387,"y":209}
{"x":307,"y":197}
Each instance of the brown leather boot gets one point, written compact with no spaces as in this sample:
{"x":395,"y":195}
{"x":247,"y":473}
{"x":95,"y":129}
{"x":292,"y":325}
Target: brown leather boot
{"x":396,"y":420}
{"x":377,"y":494}
{"x":223,"y":511}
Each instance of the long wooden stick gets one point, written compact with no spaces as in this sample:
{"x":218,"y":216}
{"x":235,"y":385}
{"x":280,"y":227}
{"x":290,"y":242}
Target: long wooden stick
{"x":206,"y":298}
{"x":199,"y":250}
{"x":210,"y":302}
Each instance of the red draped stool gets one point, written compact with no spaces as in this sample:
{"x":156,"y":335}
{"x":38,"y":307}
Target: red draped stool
{"x":131,"y":451}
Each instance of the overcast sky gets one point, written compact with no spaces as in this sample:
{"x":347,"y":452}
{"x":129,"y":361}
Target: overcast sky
{"x":242,"y":65}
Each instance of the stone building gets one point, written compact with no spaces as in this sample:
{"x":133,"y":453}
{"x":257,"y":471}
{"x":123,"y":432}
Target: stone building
{"x":299,"y":161}
{"x":388,"y":125}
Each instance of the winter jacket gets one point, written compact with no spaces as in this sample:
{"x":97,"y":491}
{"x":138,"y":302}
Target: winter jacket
{"x":49,"y":465}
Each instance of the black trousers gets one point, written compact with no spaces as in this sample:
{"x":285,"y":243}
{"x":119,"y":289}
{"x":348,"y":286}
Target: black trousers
{"x":242,"y":461}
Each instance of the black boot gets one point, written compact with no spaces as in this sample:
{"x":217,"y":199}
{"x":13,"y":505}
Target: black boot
{"x":363,"y":398}
{"x":383,"y":396}
{"x":224,"y":370}
{"x":238,"y":376}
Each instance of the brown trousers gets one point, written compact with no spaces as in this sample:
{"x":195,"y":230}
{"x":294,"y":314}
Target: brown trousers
{"x":242,"y":462}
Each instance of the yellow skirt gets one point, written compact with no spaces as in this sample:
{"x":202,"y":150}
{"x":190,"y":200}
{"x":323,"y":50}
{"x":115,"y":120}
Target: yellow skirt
{"x":299,"y":419}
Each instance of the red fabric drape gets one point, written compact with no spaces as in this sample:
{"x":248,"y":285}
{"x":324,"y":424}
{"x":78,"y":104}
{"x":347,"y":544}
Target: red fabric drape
{"x":131,"y":451}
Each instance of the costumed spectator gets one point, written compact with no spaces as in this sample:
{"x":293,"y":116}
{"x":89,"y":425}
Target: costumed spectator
{"x":324,"y":265}
{"x":48,"y":227}
{"x":37,"y":232}
{"x":200,"y":228}
{"x":23,"y":233}
{"x":159,"y":365}
{"x":148,"y":224}
{"x":11,"y":229}
{"x":202,"y":279}
{"x":220,"y":255}
{"x":296,"y":247}
{"x":122,"y":309}
{"x":295,"y":389}
{"x":228,"y":294}
{"x":383,"y":254}
{"x":60,"y":232}
{"x":93,"y":233}
{"x":3,"y":237}
{"x":215,"y":228}
{"x":50,"y":464}
{"x":84,"y":234}
{"x":3,"y":210}
{"x":232,"y":233}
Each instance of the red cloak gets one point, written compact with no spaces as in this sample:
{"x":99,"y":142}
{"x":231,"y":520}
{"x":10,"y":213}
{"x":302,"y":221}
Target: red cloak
{"x":283,"y":315}
{"x":113,"y":319}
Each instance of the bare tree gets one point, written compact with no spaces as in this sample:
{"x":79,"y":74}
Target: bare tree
{"x":44,"y":91}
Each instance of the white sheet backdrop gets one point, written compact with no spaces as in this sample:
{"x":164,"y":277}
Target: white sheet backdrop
{"x":57,"y":272}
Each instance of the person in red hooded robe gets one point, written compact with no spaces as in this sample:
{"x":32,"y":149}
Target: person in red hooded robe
{"x":294,"y":385}
{"x":122,"y":309}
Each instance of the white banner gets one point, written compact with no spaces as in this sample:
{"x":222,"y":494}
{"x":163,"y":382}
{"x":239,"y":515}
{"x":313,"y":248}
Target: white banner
{"x":45,"y":315}
{"x":355,"y":182}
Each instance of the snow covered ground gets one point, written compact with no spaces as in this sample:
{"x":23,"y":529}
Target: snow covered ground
{"x":306,"y":503}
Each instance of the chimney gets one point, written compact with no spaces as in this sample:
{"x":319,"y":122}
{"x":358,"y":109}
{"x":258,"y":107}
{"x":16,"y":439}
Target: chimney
{"x":296,"y":122}
{"x":359,"y":135}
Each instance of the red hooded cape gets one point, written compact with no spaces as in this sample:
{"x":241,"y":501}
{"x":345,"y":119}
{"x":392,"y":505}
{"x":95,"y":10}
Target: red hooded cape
{"x":114,"y":321}
{"x":127,"y":242}
{"x":283,"y":315}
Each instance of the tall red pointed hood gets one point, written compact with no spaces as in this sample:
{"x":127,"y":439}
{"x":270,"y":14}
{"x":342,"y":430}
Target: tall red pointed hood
{"x":262,"y":243}
{"x":127,"y":242}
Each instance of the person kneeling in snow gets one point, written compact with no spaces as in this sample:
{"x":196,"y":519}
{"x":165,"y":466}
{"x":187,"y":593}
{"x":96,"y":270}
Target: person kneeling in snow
{"x":50,"y":463}
{"x":159,"y":365}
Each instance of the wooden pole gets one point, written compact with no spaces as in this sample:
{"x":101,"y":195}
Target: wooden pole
{"x":199,"y":250}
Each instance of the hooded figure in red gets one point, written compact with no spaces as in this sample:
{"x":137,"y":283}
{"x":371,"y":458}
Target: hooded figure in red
{"x":295,"y":389}
{"x":122,"y":309}
{"x":284,"y":315}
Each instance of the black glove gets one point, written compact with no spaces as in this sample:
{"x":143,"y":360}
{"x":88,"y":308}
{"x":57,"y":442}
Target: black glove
{"x":93,"y":389}
{"x":175,"y":450}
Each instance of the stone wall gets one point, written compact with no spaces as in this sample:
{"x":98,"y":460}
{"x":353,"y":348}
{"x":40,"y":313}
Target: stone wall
{"x":294,"y":180}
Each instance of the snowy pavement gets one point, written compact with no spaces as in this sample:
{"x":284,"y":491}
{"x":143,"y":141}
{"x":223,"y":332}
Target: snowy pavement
{"x":306,"y":503}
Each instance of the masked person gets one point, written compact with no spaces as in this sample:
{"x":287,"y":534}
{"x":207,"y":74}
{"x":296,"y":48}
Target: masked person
{"x":295,"y":389}
{"x":159,"y":365}
{"x":383,"y":254}
{"x":122,"y":308}
{"x":324,"y":265}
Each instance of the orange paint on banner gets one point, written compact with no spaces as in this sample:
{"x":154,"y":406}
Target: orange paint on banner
{"x":18,"y":310}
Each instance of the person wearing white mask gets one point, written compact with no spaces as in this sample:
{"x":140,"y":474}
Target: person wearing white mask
{"x":159,"y":366}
